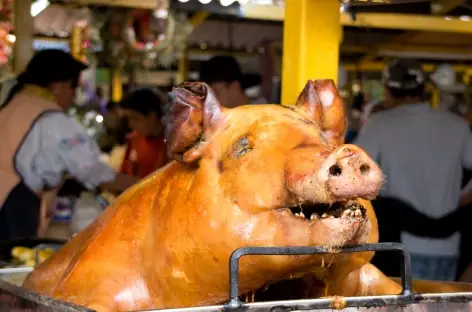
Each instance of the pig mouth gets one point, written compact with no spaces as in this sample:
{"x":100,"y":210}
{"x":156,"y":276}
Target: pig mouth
{"x":342,"y":209}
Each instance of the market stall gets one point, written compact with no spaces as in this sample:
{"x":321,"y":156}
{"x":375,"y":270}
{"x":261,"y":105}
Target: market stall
{"x":134,"y":41}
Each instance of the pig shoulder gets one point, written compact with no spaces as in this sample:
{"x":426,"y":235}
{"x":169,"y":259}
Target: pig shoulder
{"x":112,"y":243}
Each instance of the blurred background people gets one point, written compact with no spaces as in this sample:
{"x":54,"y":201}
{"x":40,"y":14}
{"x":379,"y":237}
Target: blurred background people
{"x":145,"y":151}
{"x":422,"y":152}
{"x":42,"y":144}
{"x":113,"y":141}
{"x":223,"y":74}
{"x":115,"y":128}
{"x":355,"y":117}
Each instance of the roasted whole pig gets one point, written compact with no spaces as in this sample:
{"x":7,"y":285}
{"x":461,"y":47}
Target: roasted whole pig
{"x":262,"y":175}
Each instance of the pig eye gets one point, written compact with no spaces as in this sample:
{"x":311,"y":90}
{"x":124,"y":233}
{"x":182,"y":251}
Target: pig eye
{"x":242,"y":147}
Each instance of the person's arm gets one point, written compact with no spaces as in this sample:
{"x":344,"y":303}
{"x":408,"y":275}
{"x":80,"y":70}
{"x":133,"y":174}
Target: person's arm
{"x":120,"y":183}
{"x":67,"y":148}
{"x":466,"y":193}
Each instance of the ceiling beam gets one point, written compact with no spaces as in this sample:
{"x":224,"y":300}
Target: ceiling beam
{"x":374,"y":51}
{"x":369,"y":20}
{"x":198,"y":18}
{"x":406,"y":47}
{"x":407,"y":22}
{"x":372,"y":20}
{"x":380,"y":66}
{"x":138,"y":4}
{"x":396,"y":47}
{"x":442,"y":7}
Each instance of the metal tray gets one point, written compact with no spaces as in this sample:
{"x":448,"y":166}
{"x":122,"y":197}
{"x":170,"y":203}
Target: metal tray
{"x":6,"y":246}
{"x":12,"y":297}
{"x":16,"y":275}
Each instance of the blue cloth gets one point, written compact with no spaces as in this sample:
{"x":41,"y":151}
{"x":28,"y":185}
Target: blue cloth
{"x":350,"y":136}
{"x":434,"y":268}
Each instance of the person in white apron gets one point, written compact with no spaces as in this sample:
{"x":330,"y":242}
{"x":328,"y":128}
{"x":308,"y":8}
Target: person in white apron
{"x":41,"y":144}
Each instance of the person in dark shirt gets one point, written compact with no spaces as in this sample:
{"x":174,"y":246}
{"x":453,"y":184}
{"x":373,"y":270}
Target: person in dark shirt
{"x":224,"y":76}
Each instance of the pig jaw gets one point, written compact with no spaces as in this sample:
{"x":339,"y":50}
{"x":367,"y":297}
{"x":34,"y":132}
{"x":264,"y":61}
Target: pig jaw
{"x":328,"y":200}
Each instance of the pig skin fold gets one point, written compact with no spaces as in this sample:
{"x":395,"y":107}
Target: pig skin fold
{"x":166,"y":242}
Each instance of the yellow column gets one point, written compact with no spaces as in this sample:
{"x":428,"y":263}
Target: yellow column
{"x":75,"y":42}
{"x":183,"y":67}
{"x":312,"y":33}
{"x":116,"y":85}
{"x":435,"y":96}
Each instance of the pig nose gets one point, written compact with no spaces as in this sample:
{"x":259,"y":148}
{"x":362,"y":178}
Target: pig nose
{"x":350,"y":173}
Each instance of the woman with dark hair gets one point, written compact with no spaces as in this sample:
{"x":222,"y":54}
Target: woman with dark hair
{"x":146,"y":149}
{"x":41,"y":144}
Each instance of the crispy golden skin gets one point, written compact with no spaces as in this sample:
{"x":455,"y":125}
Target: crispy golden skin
{"x":166,"y":242}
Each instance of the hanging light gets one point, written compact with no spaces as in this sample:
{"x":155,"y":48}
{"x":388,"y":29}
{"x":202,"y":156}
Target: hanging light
{"x":38,"y":6}
{"x":161,"y":13}
{"x":204,"y":1}
{"x":11,"y":38}
{"x":259,"y":2}
{"x":227,"y":2}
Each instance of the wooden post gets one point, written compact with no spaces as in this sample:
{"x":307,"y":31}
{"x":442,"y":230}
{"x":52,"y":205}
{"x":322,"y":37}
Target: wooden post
{"x":24,"y":33}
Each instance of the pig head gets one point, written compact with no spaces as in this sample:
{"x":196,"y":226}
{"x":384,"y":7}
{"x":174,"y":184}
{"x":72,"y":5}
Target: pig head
{"x":262,"y":175}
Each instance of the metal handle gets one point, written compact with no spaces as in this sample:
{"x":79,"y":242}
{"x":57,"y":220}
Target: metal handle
{"x":234,"y":301}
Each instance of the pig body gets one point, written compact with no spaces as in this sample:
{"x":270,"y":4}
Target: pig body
{"x":262,"y":175}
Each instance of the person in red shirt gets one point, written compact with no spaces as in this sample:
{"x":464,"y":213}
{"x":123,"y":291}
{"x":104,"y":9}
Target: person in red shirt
{"x":145,"y":152}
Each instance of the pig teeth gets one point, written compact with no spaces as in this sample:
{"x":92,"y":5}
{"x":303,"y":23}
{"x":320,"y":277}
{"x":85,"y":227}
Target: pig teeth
{"x":324,"y":215}
{"x":300,"y":215}
{"x":346,"y":213}
{"x":358,"y":213}
{"x":313,"y":216}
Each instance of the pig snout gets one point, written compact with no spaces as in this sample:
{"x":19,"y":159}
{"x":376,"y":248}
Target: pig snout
{"x":350,"y":173}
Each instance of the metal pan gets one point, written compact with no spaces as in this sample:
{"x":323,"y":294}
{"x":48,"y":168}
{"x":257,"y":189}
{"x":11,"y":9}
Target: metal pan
{"x":7,"y":246}
{"x":408,"y":300}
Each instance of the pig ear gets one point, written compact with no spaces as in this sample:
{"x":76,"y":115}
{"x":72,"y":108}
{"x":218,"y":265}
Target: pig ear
{"x":321,"y":101}
{"x":191,"y":115}
{"x":309,"y":104}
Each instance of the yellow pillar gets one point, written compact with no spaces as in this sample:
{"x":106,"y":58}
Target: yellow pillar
{"x":116,"y":85}
{"x":312,"y":33}
{"x":183,"y":67}
{"x":75,"y":41}
{"x":435,"y":96}
{"x":466,"y":77}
